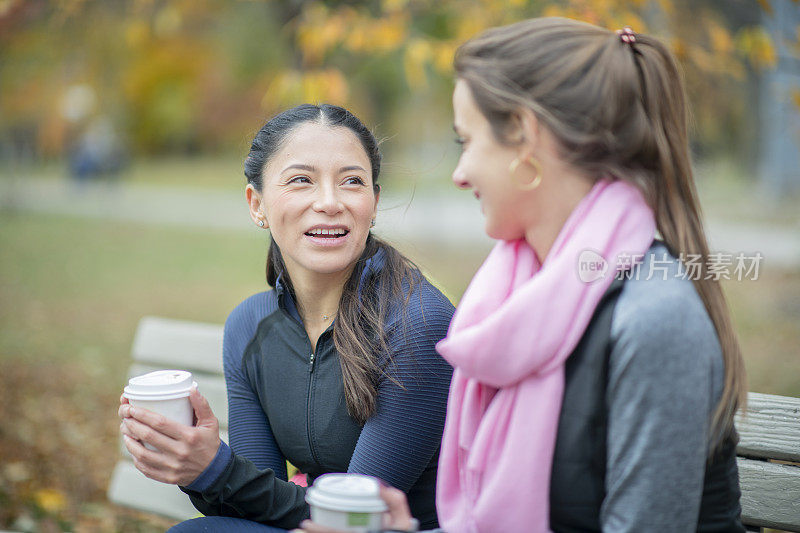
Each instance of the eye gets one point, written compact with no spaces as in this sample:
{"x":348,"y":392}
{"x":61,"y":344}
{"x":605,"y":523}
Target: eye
{"x":354,"y":180}
{"x":299,"y":179}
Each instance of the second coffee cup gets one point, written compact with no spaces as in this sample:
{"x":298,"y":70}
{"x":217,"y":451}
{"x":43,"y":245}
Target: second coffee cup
{"x":349,"y":502}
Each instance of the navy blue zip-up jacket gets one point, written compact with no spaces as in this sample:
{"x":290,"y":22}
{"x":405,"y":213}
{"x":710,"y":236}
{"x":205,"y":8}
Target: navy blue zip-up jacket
{"x":287,"y":403}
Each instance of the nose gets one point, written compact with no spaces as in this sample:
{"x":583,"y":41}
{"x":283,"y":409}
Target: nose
{"x":327,"y":200}
{"x":460,"y":179}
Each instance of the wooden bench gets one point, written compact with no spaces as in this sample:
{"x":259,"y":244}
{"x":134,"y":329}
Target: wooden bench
{"x":769,"y":461}
{"x":769,"y":449}
{"x":162,"y":343}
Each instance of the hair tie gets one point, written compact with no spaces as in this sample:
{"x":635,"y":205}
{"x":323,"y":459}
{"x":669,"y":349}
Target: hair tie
{"x":626,"y":35}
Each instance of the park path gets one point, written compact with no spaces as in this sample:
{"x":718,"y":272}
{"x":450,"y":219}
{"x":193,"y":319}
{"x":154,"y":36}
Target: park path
{"x":434,"y":217}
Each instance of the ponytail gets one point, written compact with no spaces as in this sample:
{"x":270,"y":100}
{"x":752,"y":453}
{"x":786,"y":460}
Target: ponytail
{"x":678,"y":214}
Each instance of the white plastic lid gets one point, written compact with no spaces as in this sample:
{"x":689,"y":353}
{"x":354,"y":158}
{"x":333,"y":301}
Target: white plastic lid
{"x":353,"y":493}
{"x":160,"y":385}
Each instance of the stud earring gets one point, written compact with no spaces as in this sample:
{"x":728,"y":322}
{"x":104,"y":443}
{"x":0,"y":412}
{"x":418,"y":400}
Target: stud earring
{"x":372,"y":224}
{"x":261,"y":223}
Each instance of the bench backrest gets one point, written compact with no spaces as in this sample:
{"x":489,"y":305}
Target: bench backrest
{"x":770,"y":433}
{"x":162,"y":343}
{"x":769,"y":461}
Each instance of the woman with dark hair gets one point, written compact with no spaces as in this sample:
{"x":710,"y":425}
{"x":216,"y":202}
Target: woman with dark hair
{"x":596,"y":378}
{"x":334,"y":369}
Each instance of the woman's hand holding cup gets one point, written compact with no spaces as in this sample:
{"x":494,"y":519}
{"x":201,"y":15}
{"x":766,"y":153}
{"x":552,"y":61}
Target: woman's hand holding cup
{"x":166,"y":450}
{"x":397,"y":517}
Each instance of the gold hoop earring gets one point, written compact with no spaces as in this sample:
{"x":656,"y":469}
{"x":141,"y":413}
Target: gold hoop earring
{"x":537,"y":167}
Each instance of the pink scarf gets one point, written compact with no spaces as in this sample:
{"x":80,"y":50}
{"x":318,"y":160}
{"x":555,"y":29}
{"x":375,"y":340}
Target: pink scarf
{"x":515,"y":327}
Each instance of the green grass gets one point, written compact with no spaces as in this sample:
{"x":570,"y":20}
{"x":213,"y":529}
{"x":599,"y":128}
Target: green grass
{"x":83,"y":283}
{"x":766,"y":313}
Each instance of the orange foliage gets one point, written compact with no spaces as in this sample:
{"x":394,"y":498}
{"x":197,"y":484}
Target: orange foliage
{"x":162,"y":62}
{"x":757,"y":46}
{"x":293,"y":87}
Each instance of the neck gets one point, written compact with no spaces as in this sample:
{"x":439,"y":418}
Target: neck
{"x":317,"y":295}
{"x":567,"y":192}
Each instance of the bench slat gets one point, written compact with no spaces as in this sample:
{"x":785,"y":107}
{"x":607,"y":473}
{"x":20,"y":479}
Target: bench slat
{"x":179,"y":344}
{"x":131,"y":488}
{"x":210,"y":386}
{"x":771,"y":428}
{"x":770,"y":494}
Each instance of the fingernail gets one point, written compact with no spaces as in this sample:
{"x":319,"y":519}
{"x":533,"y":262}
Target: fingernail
{"x":131,"y":412}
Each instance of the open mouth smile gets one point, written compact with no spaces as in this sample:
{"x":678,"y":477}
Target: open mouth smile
{"x":327,"y":236}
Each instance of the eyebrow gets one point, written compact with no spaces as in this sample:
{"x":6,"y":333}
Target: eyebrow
{"x":352,"y":167}
{"x":300,"y":166}
{"x":309,"y":168}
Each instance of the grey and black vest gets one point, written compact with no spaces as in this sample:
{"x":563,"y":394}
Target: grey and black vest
{"x":577,"y":486}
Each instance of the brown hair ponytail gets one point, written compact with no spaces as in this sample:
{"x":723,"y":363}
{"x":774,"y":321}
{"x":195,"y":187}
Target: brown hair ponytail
{"x":678,"y":213}
{"x":617,"y":108}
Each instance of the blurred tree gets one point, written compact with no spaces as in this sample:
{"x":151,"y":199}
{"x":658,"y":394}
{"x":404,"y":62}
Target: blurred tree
{"x":779,"y":135}
{"x":195,"y":74}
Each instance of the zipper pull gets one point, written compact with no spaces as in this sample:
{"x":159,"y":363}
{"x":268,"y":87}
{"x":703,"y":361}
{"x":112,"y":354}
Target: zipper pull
{"x":311,"y":363}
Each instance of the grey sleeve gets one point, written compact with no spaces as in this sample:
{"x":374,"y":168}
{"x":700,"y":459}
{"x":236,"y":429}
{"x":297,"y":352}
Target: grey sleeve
{"x":665,"y":373}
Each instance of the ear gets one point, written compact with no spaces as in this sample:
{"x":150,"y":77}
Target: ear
{"x":377,"y":197}
{"x":529,"y":132}
{"x":254,"y":203}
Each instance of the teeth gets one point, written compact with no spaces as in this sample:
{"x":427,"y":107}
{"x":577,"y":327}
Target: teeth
{"x":327,"y":232}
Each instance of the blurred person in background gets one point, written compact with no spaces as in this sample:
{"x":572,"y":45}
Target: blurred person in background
{"x":97,"y":152}
{"x":595,"y":383}
{"x":334,"y":369}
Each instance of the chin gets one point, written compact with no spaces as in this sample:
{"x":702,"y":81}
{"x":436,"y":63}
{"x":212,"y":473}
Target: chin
{"x":329,"y":265}
{"x":328,"y":269}
{"x":502,"y":233}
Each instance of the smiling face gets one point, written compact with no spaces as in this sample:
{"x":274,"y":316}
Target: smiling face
{"x":318,"y":199}
{"x":484,"y":168}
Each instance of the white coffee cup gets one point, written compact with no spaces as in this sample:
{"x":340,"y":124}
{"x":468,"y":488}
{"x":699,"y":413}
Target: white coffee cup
{"x":165,"y":392}
{"x":350,"y":502}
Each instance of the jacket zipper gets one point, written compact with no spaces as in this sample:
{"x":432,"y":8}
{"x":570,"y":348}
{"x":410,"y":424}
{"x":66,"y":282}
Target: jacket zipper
{"x":308,"y":403}
{"x":311,"y":359}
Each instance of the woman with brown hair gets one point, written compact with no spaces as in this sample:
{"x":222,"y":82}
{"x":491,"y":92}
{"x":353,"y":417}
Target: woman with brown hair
{"x":334,"y":369}
{"x":595,"y":380}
